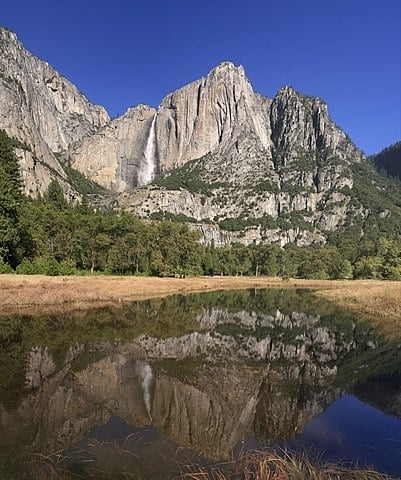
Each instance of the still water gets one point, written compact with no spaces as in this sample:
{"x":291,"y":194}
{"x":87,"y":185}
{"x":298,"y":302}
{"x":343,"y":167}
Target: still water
{"x":195,"y":380}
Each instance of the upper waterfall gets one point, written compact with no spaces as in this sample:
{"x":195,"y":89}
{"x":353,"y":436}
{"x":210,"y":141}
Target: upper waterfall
{"x":147,"y":171}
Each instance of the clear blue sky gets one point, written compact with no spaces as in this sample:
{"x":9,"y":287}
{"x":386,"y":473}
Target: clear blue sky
{"x":125,"y":52}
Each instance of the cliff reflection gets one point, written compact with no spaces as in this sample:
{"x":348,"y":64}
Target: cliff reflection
{"x":207,"y":371}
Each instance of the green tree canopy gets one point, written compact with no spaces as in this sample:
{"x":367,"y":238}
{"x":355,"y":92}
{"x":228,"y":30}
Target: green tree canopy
{"x":11,"y":235}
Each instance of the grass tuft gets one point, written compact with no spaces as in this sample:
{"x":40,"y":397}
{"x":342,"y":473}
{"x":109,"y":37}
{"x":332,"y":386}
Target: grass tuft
{"x":111,"y":464}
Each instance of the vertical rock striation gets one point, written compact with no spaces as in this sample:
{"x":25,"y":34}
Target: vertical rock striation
{"x":42,"y":109}
{"x":220,"y":115}
{"x":214,"y":151}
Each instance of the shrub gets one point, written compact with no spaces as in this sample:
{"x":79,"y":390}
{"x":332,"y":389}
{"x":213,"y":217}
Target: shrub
{"x":5,"y":267}
{"x":46,"y":265}
{"x":25,"y":268}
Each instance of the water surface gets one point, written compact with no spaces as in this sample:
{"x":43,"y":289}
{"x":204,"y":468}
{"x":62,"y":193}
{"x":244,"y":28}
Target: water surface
{"x":202,"y":376}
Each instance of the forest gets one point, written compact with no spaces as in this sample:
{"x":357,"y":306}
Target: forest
{"x":51,"y":236}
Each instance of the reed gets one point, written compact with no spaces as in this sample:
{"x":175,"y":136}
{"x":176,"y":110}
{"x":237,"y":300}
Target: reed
{"x":281,"y":465}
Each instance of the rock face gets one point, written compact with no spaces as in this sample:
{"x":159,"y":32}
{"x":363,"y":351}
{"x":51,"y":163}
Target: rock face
{"x":191,"y":122}
{"x":115,"y":156}
{"x":216,"y":150}
{"x":41,"y":109}
{"x":210,"y":114}
{"x":219,"y":114}
{"x":244,"y":167}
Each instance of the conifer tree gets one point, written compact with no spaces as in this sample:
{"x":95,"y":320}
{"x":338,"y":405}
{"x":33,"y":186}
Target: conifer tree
{"x":10,"y":202}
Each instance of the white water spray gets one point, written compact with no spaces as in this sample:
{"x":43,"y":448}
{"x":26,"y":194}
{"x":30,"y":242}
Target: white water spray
{"x":146,"y":377}
{"x":147,"y":171}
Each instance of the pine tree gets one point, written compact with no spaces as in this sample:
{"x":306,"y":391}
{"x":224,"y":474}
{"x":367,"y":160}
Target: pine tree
{"x":10,"y":202}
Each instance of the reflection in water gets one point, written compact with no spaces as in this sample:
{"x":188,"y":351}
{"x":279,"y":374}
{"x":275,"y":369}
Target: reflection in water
{"x":355,"y":432}
{"x":146,"y":376}
{"x":209,"y":372}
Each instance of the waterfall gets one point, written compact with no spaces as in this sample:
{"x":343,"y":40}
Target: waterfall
{"x":147,"y":172}
{"x":146,"y":377}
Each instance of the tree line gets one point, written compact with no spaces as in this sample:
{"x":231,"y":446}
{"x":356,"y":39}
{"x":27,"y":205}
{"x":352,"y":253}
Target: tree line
{"x":50,"y":236}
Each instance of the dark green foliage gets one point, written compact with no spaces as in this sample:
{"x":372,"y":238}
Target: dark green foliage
{"x":5,"y":267}
{"x":46,"y":265}
{"x":266,"y":259}
{"x":55,"y":196}
{"x":180,"y":218}
{"x":189,"y":177}
{"x":173,"y":181}
{"x":265,"y":186}
{"x":12,"y":236}
{"x":233,"y":224}
{"x":18,"y":144}
{"x":305,"y":161}
{"x":240,"y":223}
{"x":295,"y":219}
{"x":380,"y":197}
{"x":82,"y":184}
{"x":389,"y":160}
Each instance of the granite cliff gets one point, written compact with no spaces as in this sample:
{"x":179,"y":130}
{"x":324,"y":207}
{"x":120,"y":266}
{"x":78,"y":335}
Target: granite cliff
{"x":218,"y":154}
{"x":44,"y":111}
{"x":239,"y":166}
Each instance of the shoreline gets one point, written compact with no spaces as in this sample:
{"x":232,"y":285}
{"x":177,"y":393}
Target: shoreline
{"x":379,"y":300}
{"x":38,"y":293}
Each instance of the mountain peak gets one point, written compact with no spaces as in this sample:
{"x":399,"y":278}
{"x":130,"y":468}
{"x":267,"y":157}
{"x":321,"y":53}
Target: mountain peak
{"x":6,"y":31}
{"x":287,"y":90}
{"x":227,"y":68}
{"x":227,"y":65}
{"x":8,"y":36}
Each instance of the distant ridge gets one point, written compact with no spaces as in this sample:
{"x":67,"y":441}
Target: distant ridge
{"x":389,"y":160}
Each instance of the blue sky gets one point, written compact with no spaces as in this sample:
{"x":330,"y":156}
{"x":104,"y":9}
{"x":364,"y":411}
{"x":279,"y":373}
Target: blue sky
{"x":125,"y":52}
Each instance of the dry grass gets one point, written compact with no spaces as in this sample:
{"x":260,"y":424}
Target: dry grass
{"x":249,"y":466}
{"x":380,"y":301}
{"x":283,"y":466}
{"x":37,"y":293}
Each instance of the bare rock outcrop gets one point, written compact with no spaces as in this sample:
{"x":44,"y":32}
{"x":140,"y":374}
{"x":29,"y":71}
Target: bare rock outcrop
{"x":43,"y":110}
{"x":116,"y":155}
{"x":214,"y":151}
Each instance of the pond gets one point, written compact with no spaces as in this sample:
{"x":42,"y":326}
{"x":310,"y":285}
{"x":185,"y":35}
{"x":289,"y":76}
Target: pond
{"x":196,"y":379}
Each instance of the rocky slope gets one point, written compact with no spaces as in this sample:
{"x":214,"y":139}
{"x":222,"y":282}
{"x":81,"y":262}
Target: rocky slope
{"x":216,"y":151}
{"x":239,"y":166}
{"x":43,"y":110}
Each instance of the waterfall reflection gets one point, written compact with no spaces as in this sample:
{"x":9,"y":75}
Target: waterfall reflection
{"x":207,"y":371}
